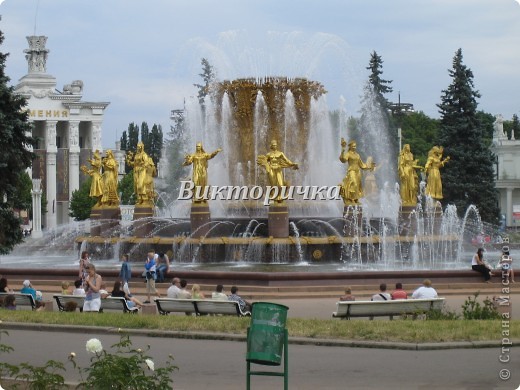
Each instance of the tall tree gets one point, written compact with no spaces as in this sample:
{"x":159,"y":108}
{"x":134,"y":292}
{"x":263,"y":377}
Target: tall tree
{"x":156,"y":143}
{"x":375,"y":136}
{"x":208,"y":76}
{"x":468,"y":178}
{"x":15,"y":157}
{"x":145,"y":136}
{"x":421,"y":132}
{"x":379,"y":85}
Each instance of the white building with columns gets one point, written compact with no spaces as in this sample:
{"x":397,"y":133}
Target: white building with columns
{"x":67,"y":130}
{"x":507,"y":151}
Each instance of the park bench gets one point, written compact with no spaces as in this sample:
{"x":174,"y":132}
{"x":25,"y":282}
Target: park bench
{"x":199,"y":307}
{"x":107,"y":304}
{"x":21,"y":300}
{"x":349,"y":309}
{"x":213,"y":306}
{"x":117,"y":304}
{"x":62,"y":300}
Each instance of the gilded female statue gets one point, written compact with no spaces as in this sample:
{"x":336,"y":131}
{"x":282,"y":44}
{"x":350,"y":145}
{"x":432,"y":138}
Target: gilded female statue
{"x":432,"y":167}
{"x":199,"y":159}
{"x":274,"y":162}
{"x":351,"y":188}
{"x":96,"y":187}
{"x":408,"y":176}
{"x":144,"y":172}
{"x":110,"y":176}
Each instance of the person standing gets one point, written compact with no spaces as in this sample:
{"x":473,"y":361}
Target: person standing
{"x":478,"y":264}
{"x":151,"y":275}
{"x":84,"y":261}
{"x":399,"y":293}
{"x":125,"y":273}
{"x":93,"y":283}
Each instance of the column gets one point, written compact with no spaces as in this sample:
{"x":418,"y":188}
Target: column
{"x":36,"y":208}
{"x":52,"y":150}
{"x":509,"y":207}
{"x":96,"y":136}
{"x":73,"y":158}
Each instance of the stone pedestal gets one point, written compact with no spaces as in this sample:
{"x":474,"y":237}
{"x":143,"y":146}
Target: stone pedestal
{"x":434,"y":218}
{"x":149,"y":309}
{"x":200,"y":219}
{"x":278,"y":221}
{"x":142,"y":223}
{"x":110,"y":217}
{"x":353,"y":225}
{"x":407,"y":221}
{"x":95,"y":221}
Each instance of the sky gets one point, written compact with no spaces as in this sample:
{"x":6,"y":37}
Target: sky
{"x":144,"y":57}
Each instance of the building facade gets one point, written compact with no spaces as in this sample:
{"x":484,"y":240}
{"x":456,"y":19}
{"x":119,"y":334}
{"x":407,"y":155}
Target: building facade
{"x":507,"y":151}
{"x":66,"y":128}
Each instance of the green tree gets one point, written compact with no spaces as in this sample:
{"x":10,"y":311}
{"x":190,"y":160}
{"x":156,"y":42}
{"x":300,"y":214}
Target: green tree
{"x":126,"y":188}
{"x":156,"y":143}
{"x":15,"y":156}
{"x":176,"y":146}
{"x":208,"y":76}
{"x":145,"y":136}
{"x":124,"y":141}
{"x":375,"y":138}
{"x":379,"y":85}
{"x":421,"y":132}
{"x":80,"y":202}
{"x":468,"y":178}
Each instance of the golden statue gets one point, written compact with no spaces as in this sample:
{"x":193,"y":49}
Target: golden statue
{"x":351,"y":188}
{"x":96,"y":187}
{"x":432,"y":167}
{"x":370,"y":183}
{"x":110,"y":178}
{"x":144,"y":172}
{"x":408,"y":176}
{"x":274,"y":162}
{"x":199,"y":159}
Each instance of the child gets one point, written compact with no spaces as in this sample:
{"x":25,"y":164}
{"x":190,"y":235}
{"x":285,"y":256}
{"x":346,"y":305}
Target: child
{"x":65,"y":288}
{"x":79,"y":290}
{"x":10,"y":302}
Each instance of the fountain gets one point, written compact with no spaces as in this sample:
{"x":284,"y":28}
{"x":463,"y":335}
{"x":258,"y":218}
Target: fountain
{"x":243,"y":116}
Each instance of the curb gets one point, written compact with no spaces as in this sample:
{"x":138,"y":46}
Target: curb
{"x":242,"y":337}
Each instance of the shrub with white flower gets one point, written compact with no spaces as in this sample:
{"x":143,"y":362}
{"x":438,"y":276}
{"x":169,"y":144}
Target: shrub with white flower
{"x":94,"y":346}
{"x":128,"y":368}
{"x":150,"y":364}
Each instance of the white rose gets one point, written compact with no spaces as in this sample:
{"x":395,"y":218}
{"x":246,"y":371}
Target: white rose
{"x":94,"y":346}
{"x":150,"y":364}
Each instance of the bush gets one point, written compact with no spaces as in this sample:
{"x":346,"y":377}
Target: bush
{"x":473,"y":310}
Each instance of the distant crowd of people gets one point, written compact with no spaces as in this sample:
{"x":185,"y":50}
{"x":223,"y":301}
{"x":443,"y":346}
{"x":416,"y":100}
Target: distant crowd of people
{"x":91,"y":286}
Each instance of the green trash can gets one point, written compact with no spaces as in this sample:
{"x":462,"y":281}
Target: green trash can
{"x":265,"y":338}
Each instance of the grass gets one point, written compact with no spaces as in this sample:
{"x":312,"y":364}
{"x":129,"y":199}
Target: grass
{"x":413,"y":331}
